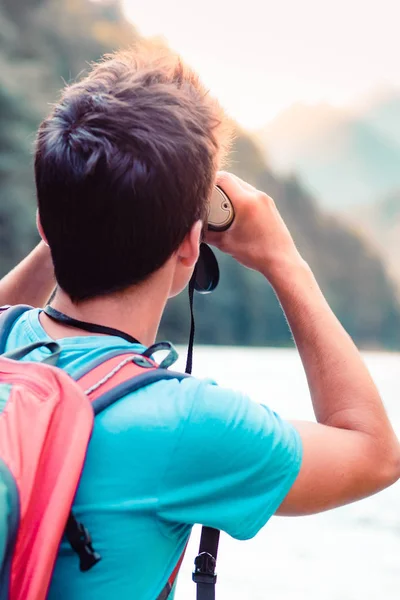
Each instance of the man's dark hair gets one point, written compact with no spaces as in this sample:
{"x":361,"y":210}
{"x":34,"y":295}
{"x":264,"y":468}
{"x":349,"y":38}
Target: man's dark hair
{"x":124,"y":166}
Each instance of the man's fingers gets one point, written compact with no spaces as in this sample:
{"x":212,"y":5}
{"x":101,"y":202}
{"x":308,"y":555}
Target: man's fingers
{"x":230,"y":183}
{"x":244,"y":184}
{"x":241,"y":194}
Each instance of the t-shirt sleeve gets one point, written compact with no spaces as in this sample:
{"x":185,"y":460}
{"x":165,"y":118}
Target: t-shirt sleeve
{"x":232,"y":466}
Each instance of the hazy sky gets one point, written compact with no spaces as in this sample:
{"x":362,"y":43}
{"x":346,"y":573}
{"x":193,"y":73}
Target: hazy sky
{"x":260,"y":56}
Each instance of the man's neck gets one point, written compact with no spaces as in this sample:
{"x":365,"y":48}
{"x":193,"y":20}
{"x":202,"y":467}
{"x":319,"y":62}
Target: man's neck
{"x":136,"y":311}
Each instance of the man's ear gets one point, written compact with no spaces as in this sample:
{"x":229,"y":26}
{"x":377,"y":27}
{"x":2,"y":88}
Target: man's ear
{"x":188,"y":251}
{"x":40,"y":228}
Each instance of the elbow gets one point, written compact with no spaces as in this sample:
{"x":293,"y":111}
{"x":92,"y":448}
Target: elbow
{"x":388,"y":469}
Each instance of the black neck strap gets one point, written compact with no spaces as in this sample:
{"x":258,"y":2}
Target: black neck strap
{"x":60,"y":317}
{"x":189,"y":359}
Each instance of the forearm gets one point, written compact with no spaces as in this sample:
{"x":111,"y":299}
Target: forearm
{"x":343,"y":393}
{"x":31,"y":281}
{"x":352,"y":451}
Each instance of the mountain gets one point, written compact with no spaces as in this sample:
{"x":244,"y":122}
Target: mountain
{"x":380,"y":222}
{"x":344,"y":157}
{"x":42,"y":43}
{"x":382,"y":112}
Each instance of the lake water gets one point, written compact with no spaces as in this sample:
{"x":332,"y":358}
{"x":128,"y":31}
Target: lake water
{"x":351,"y":553}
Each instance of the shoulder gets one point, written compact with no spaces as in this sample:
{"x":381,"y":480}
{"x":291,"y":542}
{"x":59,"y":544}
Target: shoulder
{"x":202,"y":398}
{"x":24,"y":327}
{"x":232,"y":463}
{"x":221,"y":415}
{"x":192,"y":404}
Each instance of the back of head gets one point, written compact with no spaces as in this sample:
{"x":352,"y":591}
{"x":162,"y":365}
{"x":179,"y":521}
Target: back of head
{"x":124,"y":166}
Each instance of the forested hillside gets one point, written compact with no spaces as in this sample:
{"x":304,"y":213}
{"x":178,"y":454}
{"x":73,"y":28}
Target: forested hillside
{"x":42,"y":43}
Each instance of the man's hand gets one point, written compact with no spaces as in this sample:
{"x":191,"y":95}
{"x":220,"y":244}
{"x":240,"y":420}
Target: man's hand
{"x":352,"y":451}
{"x":31,"y":281}
{"x":258,"y":237}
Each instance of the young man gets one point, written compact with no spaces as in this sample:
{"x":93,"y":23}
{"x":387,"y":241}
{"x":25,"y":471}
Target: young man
{"x":124,"y":167}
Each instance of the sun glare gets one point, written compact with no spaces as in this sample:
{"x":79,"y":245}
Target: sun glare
{"x":261,"y":57}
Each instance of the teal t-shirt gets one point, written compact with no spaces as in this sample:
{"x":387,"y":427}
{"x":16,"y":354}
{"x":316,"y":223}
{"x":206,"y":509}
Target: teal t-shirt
{"x":159,"y":461}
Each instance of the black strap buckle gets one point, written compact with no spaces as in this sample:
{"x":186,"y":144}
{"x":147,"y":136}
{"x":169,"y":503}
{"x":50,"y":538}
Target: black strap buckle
{"x":81,"y":542}
{"x":204,"y":569}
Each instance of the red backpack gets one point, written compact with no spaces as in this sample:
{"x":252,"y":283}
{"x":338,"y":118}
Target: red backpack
{"x":46,"y":420}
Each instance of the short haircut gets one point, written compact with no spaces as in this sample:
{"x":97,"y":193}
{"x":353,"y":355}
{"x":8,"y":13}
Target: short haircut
{"x":124,"y":167}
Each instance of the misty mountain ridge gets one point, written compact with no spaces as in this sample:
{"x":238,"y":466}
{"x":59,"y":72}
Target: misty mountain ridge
{"x":345,"y":156}
{"x":380,"y":222}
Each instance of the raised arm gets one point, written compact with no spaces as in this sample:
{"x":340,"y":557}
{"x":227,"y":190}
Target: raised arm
{"x":352,"y":451}
{"x":31,"y":281}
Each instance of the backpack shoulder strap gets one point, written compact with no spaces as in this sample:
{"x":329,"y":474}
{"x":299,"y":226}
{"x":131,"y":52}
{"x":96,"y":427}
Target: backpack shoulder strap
{"x":104,"y":383}
{"x":8,"y":316}
{"x":119,"y":375}
{"x":108,"y":382}
{"x":134,"y":383}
